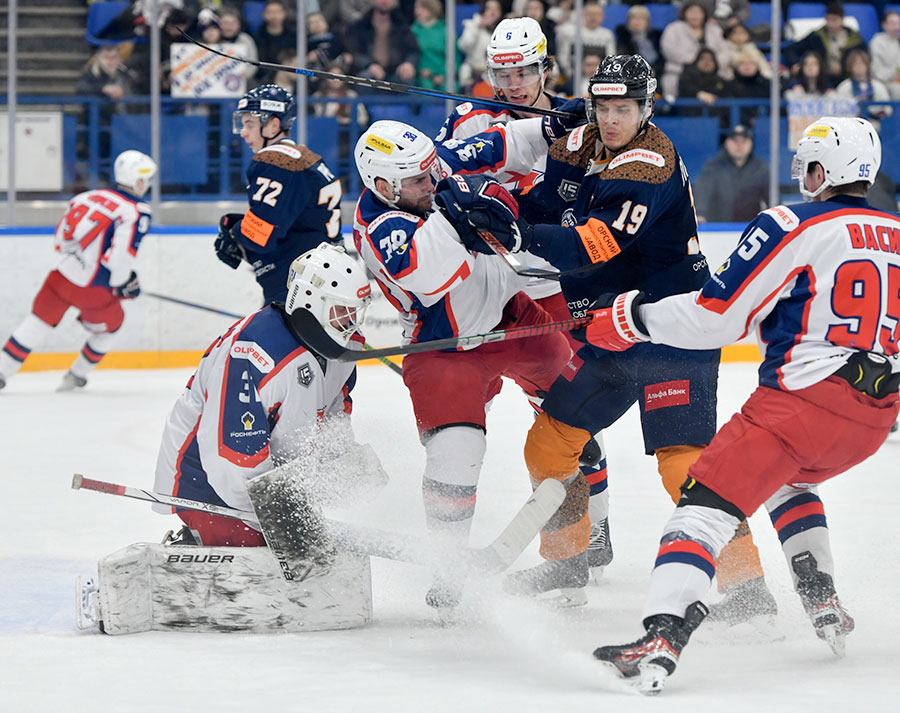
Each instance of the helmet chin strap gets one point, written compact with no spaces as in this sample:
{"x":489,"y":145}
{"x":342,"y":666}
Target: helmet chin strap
{"x":267,"y":139}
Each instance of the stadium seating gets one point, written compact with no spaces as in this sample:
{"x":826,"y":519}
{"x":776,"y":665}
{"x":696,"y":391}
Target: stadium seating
{"x":866,"y":17}
{"x":465,"y":12}
{"x":801,"y":10}
{"x":99,"y":16}
{"x":661,"y":15}
{"x":615,"y":15}
{"x":252,"y":14}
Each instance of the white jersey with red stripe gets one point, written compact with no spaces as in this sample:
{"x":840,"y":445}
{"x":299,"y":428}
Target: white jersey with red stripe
{"x":815,"y":281}
{"x":440,"y":288}
{"x":255,"y":402}
{"x":99,"y":236}
{"x":467,"y":120}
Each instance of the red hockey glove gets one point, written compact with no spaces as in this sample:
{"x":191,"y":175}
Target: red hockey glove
{"x":617,"y":325}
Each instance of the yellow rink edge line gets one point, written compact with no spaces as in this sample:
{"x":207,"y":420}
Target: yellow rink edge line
{"x":188,"y":359}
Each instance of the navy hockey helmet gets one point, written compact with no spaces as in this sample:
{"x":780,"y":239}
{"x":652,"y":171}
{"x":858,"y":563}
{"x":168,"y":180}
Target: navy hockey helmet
{"x":623,"y":76}
{"x":265,"y":102}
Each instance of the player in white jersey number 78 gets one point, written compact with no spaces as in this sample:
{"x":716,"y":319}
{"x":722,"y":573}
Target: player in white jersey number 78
{"x":820,"y":283}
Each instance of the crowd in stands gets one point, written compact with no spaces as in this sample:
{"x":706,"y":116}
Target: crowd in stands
{"x":707,"y":52}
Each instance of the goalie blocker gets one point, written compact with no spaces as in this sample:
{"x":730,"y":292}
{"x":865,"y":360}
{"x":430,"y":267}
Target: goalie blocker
{"x":147,"y":587}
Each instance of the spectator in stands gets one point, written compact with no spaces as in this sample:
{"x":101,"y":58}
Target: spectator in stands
{"x":860,"y":84}
{"x":381,"y":45}
{"x":343,"y":13}
{"x":884,"y":49}
{"x":177,"y":21}
{"x":473,"y":42}
{"x":208,"y":27}
{"x":106,"y":76}
{"x":431,"y":35}
{"x":682,"y":39}
{"x":737,"y":37}
{"x":748,"y":82}
{"x":537,"y":11}
{"x":637,"y":37}
{"x":592,"y":33}
{"x":274,"y":36}
{"x":832,"y":42}
{"x":589,"y":63}
{"x":335,"y":89}
{"x":701,"y":80}
{"x":811,"y":82}
{"x":324,"y":48}
{"x":734,"y":184}
{"x":728,"y":12}
{"x":230,"y":22}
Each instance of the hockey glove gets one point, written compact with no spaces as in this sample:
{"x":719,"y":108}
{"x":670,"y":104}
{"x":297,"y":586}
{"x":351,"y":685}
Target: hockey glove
{"x":555,"y":128}
{"x":616,"y":322}
{"x":477,"y":204}
{"x":227,"y":248}
{"x":129,"y":289}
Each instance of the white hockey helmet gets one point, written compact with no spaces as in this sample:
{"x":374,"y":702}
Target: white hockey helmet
{"x":333,"y":286}
{"x":847,"y":147}
{"x":517,"y":42}
{"x":393,"y":151}
{"x":133,"y":167}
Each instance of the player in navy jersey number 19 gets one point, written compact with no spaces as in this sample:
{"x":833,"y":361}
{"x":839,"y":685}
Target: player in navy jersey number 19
{"x":97,"y":241}
{"x":819,"y":282}
{"x":294,"y":197}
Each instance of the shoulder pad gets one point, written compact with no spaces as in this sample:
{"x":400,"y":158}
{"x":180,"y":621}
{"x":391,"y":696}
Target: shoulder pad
{"x":288,"y":157}
{"x":576,"y":148}
{"x":394,"y":219}
{"x":650,"y":158}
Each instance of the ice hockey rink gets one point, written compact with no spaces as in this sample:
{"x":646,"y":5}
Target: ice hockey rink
{"x":501,"y":655}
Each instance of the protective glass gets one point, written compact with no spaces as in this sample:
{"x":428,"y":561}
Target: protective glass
{"x":798,"y":168}
{"x":514,"y":76}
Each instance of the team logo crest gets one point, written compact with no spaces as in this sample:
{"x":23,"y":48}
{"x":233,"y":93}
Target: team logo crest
{"x":567,"y":190}
{"x":304,"y":375}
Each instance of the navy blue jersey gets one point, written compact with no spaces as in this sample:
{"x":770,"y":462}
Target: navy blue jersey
{"x":630,"y":219}
{"x":294,"y":205}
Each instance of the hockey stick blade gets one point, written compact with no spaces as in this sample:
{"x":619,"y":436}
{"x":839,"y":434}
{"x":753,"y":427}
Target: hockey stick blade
{"x":314,"y":337}
{"x":382,"y":84}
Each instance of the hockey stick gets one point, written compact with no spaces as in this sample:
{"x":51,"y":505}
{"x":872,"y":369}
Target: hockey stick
{"x":520,"y":269}
{"x":386,"y":86}
{"x":368,"y":347}
{"x":314,"y":336}
{"x":493,"y":559}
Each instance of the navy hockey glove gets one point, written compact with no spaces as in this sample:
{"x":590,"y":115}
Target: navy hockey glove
{"x":129,"y":289}
{"x":555,"y":128}
{"x":477,"y":204}
{"x":227,"y":248}
{"x":616,"y":322}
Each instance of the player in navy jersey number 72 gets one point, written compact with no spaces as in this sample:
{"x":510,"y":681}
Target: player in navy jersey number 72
{"x":97,"y":241}
{"x":294,"y":197}
{"x":819,"y":283}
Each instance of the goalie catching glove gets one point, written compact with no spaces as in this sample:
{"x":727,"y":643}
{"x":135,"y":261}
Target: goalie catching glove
{"x":228,"y":250}
{"x":479,"y":207}
{"x":616,"y":322}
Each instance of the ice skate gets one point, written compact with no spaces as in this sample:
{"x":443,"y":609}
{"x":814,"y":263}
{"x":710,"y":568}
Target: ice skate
{"x":600,"y":551}
{"x":569,"y":576}
{"x":653,"y":658}
{"x":185,"y":536}
{"x":749,"y":603}
{"x":820,"y":600}
{"x":71,"y":381}
{"x":2,"y":382}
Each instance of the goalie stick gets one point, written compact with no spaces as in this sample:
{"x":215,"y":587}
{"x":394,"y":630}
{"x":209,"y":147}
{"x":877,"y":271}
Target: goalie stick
{"x":492,"y":559}
{"x":381,"y":84}
{"x":314,"y":336}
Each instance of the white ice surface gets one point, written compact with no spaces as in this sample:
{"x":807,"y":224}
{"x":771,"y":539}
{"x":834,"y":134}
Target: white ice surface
{"x":503,"y":655}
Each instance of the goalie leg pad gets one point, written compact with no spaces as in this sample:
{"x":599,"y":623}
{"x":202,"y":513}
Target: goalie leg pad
{"x":146,"y":587}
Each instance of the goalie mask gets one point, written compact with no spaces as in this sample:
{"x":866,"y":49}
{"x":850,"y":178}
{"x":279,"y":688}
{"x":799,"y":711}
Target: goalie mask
{"x":264,"y":102}
{"x":847,"y":148}
{"x":332,"y":285}
{"x":134,"y":170}
{"x":517,"y":56}
{"x":394,"y":151}
{"x":623,"y":76}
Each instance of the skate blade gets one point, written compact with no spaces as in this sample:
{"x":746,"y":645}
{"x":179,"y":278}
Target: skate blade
{"x":836,"y":639}
{"x":564,"y":598}
{"x":87,"y":593}
{"x":597,"y":574}
{"x":761,"y":629}
{"x":652,"y":679}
